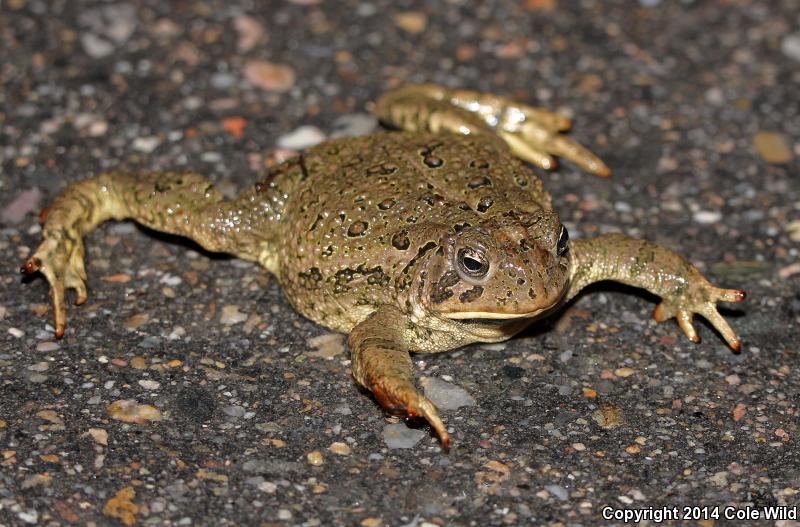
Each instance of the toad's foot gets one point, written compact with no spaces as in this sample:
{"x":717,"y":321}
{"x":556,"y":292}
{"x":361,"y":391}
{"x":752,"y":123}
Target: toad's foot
{"x":402,"y":398}
{"x":532,"y":133}
{"x":60,"y":260}
{"x":701,"y":298}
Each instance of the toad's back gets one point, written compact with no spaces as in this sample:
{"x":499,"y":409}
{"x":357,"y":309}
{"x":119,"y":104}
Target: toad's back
{"x":357,"y":213}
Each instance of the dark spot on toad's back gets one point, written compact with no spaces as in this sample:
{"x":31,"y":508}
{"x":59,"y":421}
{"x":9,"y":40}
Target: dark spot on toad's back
{"x":479,"y":182}
{"x":357,"y":228}
{"x":485,"y":203}
{"x":400,"y":240}
{"x":310,"y":279}
{"x":432,"y":161}
{"x":386,"y":204}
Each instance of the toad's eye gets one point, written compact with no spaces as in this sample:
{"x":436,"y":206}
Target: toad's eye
{"x":472,"y":263}
{"x":561,"y":247}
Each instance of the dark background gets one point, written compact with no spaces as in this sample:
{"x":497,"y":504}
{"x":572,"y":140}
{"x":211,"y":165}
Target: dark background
{"x":695,"y":107}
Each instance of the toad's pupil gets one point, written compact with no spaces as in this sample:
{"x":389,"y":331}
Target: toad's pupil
{"x":472,"y":264}
{"x":562,"y":241}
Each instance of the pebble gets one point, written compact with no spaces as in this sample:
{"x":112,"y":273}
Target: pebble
{"x":95,"y":46}
{"x":146,"y":144}
{"x":733,"y":379}
{"x":135,"y":321}
{"x":793,"y":228}
{"x":231,"y":315}
{"x":250,"y":32}
{"x":772,"y":147}
{"x":340,"y":449}
{"x":47,"y":346}
{"x":790,"y":46}
{"x":706,"y":217}
{"x":300,"y":138}
{"x":16,"y":332}
{"x":328,"y":346}
{"x":607,"y":416}
{"x":116,"y":21}
{"x":269,"y":76}
{"x":222,"y":81}
{"x":40,"y":366}
{"x":558,"y":491}
{"x":234,"y":411}
{"x":398,"y":435}
{"x":129,"y":411}
{"x":715,"y":96}
{"x":411,"y":21}
{"x":268,"y":487}
{"x":315,"y":458}
{"x":624,"y":372}
{"x":99,"y":435}
{"x":30,"y":516}
{"x":444,"y":395}
{"x":28,"y":201}
{"x":343,"y":409}
{"x":148,"y":384}
{"x":354,"y":125}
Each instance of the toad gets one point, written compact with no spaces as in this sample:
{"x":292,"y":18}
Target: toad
{"x":416,"y":241}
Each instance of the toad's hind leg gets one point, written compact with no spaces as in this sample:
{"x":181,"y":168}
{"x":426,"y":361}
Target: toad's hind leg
{"x":532,"y":133}
{"x":186,"y":204}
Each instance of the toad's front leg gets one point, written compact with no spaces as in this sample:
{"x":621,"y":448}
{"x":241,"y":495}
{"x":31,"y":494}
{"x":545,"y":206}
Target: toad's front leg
{"x":380,"y":348}
{"x":683,"y":290}
{"x":179,"y":203}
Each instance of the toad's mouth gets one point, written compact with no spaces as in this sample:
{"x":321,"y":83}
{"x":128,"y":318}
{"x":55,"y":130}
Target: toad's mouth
{"x":495,"y":319}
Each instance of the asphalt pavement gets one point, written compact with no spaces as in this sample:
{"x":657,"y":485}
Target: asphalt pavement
{"x":187,"y":391}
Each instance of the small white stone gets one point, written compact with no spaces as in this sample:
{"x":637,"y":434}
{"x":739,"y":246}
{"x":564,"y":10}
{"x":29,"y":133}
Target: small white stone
{"x":354,"y":125}
{"x":231,"y":315}
{"x":300,"y":138}
{"x":47,"y":346}
{"x":268,"y":487}
{"x":171,"y":279}
{"x":40,"y":366}
{"x":146,"y":144}
{"x":715,"y":96}
{"x":398,"y":435}
{"x":148,"y":384}
{"x":96,"y":47}
{"x":558,"y":491}
{"x":707,"y":216}
{"x":790,"y":46}
{"x":16,"y":332}
{"x":444,"y":395}
{"x":29,"y":517}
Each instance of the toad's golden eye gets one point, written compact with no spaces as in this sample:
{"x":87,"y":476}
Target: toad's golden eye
{"x":561,"y":247}
{"x":472,"y":263}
